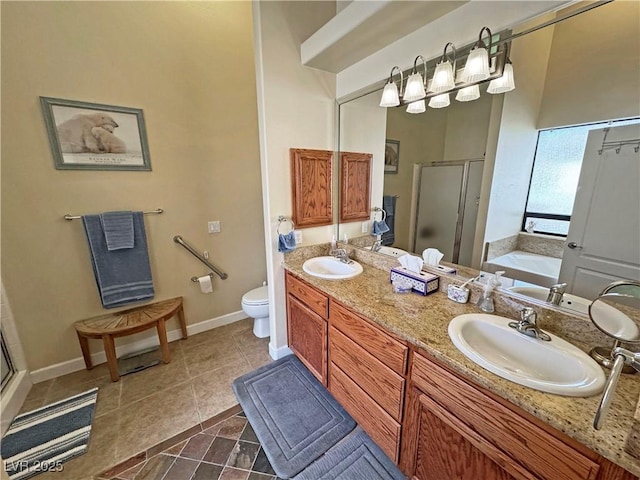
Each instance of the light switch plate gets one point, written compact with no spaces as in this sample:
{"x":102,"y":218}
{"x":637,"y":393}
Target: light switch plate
{"x":365,"y":227}
{"x":298,"y":236}
{"x":213,"y":227}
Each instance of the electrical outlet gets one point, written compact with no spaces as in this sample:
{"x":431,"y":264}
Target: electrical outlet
{"x":213,"y":227}
{"x":298,"y":236}
{"x":365,"y":227}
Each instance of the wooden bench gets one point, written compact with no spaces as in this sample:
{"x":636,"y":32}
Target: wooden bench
{"x":127,"y":322}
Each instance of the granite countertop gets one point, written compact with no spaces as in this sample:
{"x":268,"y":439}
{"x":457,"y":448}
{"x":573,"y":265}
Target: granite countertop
{"x":423,"y":321}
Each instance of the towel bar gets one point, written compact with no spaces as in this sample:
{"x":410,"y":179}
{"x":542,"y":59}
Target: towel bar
{"x":68,"y":216}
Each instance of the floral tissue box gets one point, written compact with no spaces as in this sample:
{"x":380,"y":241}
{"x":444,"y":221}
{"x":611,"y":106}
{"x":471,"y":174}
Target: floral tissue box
{"x":423,"y":282}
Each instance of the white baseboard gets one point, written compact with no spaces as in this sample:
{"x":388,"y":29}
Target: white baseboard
{"x":278,"y":353}
{"x":70,"y":366}
{"x":13,"y":397}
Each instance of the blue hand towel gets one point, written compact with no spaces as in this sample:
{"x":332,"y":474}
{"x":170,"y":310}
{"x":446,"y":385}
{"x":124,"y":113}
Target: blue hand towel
{"x":287,"y":242}
{"x":118,"y":229}
{"x":123,"y":276}
{"x":379,"y":227}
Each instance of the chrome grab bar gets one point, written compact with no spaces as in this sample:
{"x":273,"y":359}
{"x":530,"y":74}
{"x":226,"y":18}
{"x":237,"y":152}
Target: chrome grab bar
{"x":178,"y":239}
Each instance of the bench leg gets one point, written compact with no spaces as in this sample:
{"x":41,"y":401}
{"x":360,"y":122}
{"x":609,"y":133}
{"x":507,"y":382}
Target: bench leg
{"x":183,"y":322}
{"x":112,"y":360}
{"x":164,"y":346}
{"x":84,"y":346}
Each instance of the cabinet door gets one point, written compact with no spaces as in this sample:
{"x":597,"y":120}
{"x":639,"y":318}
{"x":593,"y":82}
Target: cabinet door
{"x":307,"y":333}
{"x":311,"y":187}
{"x":355,"y":190}
{"x":445,"y":448}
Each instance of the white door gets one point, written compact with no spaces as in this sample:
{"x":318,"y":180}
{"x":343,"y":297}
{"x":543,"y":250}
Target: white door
{"x":603,"y":244}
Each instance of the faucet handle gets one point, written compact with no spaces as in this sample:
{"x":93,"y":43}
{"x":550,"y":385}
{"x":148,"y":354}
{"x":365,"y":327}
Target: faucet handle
{"x":528,"y":314}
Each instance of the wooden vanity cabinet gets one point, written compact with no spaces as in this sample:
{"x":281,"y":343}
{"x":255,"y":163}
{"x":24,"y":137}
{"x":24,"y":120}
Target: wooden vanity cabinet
{"x":453,"y":430}
{"x":367,"y":369}
{"x":307,"y":313}
{"x":311,"y":193}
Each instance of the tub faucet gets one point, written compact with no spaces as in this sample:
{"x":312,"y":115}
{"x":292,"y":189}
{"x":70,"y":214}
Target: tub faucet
{"x":528,"y":325}
{"x":555,"y":293}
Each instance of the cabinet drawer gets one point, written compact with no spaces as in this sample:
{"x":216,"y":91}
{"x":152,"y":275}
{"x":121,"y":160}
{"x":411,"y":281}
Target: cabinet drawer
{"x":308,"y":295}
{"x":388,"y":350}
{"x":381,"y":383}
{"x":533,"y":447}
{"x":383,"y":429}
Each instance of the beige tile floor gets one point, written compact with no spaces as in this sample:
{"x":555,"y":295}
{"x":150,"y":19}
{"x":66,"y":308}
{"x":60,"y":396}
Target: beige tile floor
{"x":145,"y":408}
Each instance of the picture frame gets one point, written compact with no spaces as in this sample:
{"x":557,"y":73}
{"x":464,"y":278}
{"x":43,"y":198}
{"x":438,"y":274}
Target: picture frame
{"x":93,"y":136}
{"x":391,"y":156}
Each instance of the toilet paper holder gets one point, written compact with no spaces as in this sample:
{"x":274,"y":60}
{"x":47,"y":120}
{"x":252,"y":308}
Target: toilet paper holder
{"x":195,"y":279}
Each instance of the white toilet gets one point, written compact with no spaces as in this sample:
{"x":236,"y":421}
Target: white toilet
{"x":255,"y":303}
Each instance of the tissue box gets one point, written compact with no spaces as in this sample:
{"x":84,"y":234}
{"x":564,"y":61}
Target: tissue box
{"x":443,"y":269}
{"x":423,"y":283}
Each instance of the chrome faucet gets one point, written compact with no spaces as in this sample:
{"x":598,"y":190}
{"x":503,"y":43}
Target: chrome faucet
{"x":528,"y":325}
{"x":341,"y":254}
{"x":377,"y":245}
{"x":555,"y":293}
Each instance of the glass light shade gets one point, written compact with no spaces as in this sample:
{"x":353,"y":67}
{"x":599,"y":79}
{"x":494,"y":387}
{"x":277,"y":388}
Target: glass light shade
{"x":468,"y":94}
{"x":390,"y":96}
{"x":414,"y":89}
{"x":477,"y":67}
{"x":503,"y":84}
{"x":439,"y":101}
{"x":416,"y":107}
{"x":443,"y":78}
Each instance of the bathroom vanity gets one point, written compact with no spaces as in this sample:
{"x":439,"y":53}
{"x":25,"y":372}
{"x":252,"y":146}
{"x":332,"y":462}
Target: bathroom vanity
{"x":388,"y":360}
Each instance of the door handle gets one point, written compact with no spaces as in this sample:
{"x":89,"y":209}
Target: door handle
{"x":573,"y":245}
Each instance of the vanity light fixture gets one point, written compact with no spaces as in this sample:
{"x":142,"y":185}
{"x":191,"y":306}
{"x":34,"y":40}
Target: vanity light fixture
{"x":505,"y":83}
{"x":415,"y":83}
{"x":390,"y":96}
{"x":477,"y":67}
{"x":483,"y":64}
{"x":443,"y":77}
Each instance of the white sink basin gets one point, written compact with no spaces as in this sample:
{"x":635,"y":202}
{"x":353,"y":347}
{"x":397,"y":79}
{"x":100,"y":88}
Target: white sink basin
{"x":331,"y":268}
{"x":569,"y":301}
{"x":391,"y":251}
{"x":553,"y":367}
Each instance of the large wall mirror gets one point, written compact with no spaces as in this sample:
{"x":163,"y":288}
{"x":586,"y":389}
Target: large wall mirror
{"x":462,"y":177}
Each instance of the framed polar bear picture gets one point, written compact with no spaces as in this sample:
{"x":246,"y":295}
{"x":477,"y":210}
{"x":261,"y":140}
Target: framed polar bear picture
{"x":91,"y":136}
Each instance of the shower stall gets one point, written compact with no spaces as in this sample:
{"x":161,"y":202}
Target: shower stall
{"x":448,"y":196}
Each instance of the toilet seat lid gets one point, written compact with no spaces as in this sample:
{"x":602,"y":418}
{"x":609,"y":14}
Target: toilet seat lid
{"x":257,"y":296}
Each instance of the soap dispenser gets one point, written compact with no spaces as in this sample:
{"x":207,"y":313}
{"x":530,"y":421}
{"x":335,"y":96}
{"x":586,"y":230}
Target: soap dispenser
{"x":486,"y":301}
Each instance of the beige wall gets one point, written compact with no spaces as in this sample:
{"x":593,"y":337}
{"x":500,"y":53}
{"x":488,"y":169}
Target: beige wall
{"x":594,"y":67}
{"x":296,"y":109}
{"x":189,"y":66}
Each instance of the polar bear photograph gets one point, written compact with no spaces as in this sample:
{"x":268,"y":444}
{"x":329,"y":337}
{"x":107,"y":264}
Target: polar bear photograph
{"x":76,"y":134}
{"x":87,"y":134}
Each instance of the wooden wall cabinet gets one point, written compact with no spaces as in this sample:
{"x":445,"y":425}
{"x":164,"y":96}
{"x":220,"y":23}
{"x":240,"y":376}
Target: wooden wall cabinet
{"x":311,"y":187}
{"x":307,"y":312}
{"x":355,"y":186}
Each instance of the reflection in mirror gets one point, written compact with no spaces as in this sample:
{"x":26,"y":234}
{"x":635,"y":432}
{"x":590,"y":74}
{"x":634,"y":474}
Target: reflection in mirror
{"x":463,"y":173}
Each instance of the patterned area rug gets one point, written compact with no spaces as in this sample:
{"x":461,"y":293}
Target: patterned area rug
{"x":43,"y":439}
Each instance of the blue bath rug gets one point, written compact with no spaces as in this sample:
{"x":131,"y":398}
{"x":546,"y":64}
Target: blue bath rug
{"x":295,"y":418}
{"x":43,"y":439}
{"x":356,"y":457}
